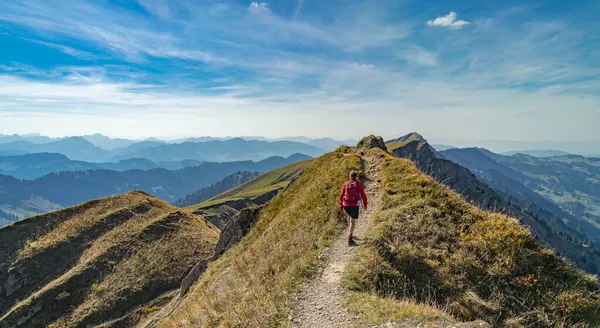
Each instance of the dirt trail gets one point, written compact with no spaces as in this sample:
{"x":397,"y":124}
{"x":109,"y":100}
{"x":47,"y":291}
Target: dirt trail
{"x":320,"y":303}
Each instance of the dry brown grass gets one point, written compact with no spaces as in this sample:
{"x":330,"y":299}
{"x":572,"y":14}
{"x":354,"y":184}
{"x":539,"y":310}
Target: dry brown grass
{"x":82,"y":220}
{"x":374,"y":310}
{"x":100,"y":260}
{"x":254,"y":283}
{"x":428,"y":245}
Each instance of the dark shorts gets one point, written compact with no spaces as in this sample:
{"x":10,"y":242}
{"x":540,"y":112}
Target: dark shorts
{"x":352,"y":211}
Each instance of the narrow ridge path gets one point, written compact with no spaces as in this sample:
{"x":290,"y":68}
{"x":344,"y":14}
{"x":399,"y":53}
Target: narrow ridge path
{"x":320,"y":303}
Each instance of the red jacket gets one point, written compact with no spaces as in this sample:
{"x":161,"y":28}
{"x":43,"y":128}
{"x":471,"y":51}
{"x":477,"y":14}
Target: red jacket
{"x":362,"y":195}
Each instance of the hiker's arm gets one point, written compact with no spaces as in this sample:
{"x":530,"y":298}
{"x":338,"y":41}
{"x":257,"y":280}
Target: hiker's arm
{"x":341,"y":197}
{"x":363,"y":195}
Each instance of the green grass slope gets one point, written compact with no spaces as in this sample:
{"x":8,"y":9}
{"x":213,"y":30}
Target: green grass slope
{"x":254,"y":283}
{"x":427,"y":245}
{"x":268,"y":182}
{"x":97,"y":261}
{"x":258,"y":191}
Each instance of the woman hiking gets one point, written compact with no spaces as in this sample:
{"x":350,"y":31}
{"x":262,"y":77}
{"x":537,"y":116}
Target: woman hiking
{"x":350,"y":196}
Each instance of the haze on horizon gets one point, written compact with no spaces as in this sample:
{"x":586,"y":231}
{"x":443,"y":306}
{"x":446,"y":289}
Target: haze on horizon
{"x":451,"y":70}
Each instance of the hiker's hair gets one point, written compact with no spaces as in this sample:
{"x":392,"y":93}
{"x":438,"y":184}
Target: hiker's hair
{"x":353,"y":175}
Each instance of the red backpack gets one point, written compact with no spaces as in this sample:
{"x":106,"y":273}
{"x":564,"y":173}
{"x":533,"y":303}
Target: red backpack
{"x":351,"y":194}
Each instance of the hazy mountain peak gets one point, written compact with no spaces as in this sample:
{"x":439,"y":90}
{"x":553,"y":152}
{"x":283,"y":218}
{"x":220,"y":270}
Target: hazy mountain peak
{"x":409,"y":137}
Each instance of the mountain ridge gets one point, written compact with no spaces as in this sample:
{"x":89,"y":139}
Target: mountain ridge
{"x":97,"y":260}
{"x":542,"y":216}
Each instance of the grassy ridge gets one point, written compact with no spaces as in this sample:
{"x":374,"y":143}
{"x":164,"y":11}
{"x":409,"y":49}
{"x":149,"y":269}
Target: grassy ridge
{"x":96,"y":261}
{"x":427,"y":245}
{"x":254,"y":283}
{"x":270,"y":181}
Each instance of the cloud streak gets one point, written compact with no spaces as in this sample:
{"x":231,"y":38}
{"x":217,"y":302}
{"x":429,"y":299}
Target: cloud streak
{"x":448,"y":21}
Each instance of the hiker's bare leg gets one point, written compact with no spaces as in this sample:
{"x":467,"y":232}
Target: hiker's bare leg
{"x":349,"y":221}
{"x":351,"y":224}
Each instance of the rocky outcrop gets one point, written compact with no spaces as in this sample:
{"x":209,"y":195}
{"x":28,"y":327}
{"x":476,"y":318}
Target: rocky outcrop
{"x":192,"y":276}
{"x":266,"y":197}
{"x":232,"y":233}
{"x":13,"y":283}
{"x":370,"y":142}
{"x":236,"y":229}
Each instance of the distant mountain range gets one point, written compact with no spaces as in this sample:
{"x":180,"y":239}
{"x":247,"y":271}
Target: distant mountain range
{"x":220,"y":151}
{"x":76,"y":148}
{"x":538,"y":153}
{"x":324,"y":143}
{"x":32,"y":166}
{"x":33,"y":138}
{"x":82,"y":149}
{"x":108,"y":143}
{"x":589,"y":148}
{"x":19,"y":199}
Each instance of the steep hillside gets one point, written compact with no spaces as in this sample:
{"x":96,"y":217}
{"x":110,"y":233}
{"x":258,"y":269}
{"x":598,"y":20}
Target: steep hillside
{"x":542,"y":216}
{"x":56,"y":190}
{"x":222,"y":207}
{"x":426,"y":244}
{"x":445,"y":171}
{"x":565,"y":184}
{"x":229,"y":182}
{"x":97,"y":261}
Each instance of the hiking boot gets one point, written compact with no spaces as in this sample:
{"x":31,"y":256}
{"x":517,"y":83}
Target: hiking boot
{"x":350,"y":241}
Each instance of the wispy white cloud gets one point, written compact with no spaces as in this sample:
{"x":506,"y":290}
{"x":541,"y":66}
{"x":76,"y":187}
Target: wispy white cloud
{"x":258,"y":6}
{"x":81,"y":54}
{"x":298,"y":8}
{"x":24,"y":69}
{"x":448,"y":21}
{"x":418,"y":55}
{"x":359,"y":65}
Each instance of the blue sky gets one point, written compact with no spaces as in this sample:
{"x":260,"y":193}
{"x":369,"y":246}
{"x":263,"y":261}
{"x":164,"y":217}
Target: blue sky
{"x":448,"y":69}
